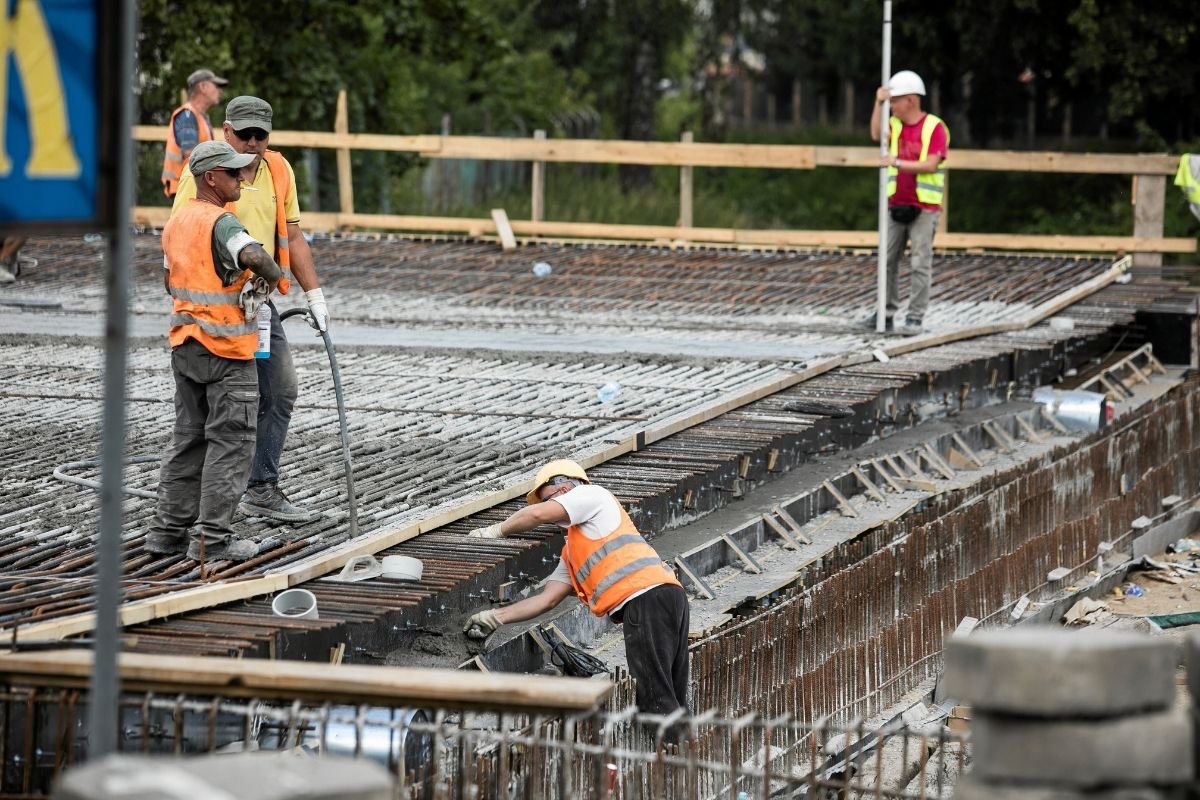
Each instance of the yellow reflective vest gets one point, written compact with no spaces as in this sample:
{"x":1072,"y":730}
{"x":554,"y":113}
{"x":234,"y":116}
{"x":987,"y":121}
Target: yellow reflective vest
{"x":1185,"y":179}
{"x":930,"y":185}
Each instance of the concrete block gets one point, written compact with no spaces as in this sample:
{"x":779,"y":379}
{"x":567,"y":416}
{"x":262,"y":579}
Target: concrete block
{"x":1053,"y":672}
{"x":970,"y":788}
{"x":244,"y":776}
{"x":1170,"y":501}
{"x":1141,"y":523}
{"x":1135,"y":750}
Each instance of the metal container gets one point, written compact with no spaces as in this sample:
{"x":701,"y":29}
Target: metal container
{"x":1077,"y":410}
{"x":380,"y":734}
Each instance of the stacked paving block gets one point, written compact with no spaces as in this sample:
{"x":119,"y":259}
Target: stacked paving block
{"x":1064,"y":714}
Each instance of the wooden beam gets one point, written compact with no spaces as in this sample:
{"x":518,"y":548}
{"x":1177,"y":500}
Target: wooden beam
{"x":312,"y":681}
{"x":537,"y":184}
{"x":1149,"y":193}
{"x":685,"y":188}
{"x":843,"y":503}
{"x":788,"y":542}
{"x":341,"y":126}
{"x":871,"y":488}
{"x":504,"y":229}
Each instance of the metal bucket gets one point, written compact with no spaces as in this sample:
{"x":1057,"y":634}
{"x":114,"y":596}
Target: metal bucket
{"x":1077,"y":410}
{"x":295,"y":604}
{"x":380,"y":734}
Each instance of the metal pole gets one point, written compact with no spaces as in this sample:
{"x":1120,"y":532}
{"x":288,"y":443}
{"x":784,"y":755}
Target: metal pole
{"x":105,"y":683}
{"x":885,"y":116}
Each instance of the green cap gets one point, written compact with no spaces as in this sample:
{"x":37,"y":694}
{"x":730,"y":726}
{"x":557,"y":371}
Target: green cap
{"x":216,"y":155}
{"x":245,"y":111}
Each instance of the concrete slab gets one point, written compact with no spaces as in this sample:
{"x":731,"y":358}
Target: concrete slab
{"x":1051,"y":672}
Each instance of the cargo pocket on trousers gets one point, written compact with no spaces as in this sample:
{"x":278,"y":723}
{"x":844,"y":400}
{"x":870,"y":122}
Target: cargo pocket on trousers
{"x":240,"y":420}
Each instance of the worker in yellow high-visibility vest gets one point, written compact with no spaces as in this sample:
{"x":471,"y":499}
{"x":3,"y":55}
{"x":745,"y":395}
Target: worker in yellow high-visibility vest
{"x":918,"y":145}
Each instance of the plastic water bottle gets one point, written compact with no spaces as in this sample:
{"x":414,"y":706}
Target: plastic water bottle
{"x":608,"y":392}
{"x":264,"y":332}
{"x":542,"y":269}
{"x":93,"y":238}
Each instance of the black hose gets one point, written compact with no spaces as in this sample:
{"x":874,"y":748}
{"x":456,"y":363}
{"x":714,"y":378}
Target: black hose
{"x":341,"y":407}
{"x":571,"y":660}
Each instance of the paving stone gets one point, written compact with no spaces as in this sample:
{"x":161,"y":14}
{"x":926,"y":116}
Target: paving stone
{"x":1053,"y":672}
{"x":970,"y":788}
{"x":1135,"y":750}
{"x":243,"y":776}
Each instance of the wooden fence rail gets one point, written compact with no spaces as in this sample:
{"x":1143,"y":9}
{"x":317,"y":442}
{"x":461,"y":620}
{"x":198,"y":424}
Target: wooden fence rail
{"x":1148,"y":188}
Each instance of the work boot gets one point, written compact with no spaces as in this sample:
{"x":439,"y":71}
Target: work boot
{"x":268,"y":500}
{"x":888,"y":323}
{"x":233,"y":550}
{"x":6,"y":274}
{"x":912,"y":327}
{"x":166,"y":543}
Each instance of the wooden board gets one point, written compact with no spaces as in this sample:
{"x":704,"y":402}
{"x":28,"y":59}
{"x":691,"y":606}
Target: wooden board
{"x":341,"y":683}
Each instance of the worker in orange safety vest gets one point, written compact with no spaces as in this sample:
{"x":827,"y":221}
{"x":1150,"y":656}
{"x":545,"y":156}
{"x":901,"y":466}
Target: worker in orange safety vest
{"x":608,"y":565}
{"x":189,"y":125}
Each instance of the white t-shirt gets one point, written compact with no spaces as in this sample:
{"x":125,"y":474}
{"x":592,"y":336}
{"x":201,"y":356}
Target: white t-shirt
{"x":597,"y":514}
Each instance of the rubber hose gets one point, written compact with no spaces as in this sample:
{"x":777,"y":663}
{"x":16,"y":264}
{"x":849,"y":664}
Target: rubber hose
{"x":341,"y":407}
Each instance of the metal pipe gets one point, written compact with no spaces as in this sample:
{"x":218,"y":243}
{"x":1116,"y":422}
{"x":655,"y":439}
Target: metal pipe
{"x":884,"y":117}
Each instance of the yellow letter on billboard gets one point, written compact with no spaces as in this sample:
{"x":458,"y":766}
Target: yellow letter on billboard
{"x":52,"y":150}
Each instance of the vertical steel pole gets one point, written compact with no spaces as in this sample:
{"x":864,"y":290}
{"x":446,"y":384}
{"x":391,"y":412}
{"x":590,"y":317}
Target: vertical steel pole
{"x":884,"y":115}
{"x":105,"y":682}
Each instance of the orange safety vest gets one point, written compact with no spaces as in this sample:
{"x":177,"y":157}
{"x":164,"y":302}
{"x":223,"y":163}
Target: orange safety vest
{"x":173,"y":159}
{"x":203,"y":309}
{"x":607,"y":572}
{"x":277,"y":166}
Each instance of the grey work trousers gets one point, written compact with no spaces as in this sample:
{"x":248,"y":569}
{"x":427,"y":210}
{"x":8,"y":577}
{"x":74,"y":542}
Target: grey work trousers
{"x":918,"y":234}
{"x":655,"y":628}
{"x":277,"y":391}
{"x":204,"y":473}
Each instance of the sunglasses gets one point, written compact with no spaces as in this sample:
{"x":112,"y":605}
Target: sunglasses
{"x":246,"y":134}
{"x":233,"y":172}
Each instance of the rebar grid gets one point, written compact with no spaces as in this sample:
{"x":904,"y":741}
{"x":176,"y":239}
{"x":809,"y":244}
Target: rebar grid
{"x":442,"y":753}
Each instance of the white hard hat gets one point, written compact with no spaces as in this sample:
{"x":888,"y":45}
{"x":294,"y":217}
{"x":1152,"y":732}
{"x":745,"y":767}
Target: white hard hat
{"x":906,"y":82}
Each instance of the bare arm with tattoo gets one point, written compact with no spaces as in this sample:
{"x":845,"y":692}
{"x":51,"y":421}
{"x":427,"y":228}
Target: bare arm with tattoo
{"x":254,"y":258}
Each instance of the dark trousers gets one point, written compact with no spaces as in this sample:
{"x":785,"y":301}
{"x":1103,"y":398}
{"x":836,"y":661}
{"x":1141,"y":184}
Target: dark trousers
{"x":655,"y":625}
{"x":204,"y":474}
{"x":277,"y":390}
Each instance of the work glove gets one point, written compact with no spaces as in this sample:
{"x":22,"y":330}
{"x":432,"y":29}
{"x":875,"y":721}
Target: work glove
{"x":482,"y":625}
{"x":490,"y":532}
{"x":317,"y":308}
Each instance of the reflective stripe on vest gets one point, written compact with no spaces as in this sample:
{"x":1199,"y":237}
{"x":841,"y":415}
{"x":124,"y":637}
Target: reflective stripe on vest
{"x":278,"y":169}
{"x":203,"y":309}
{"x":173,"y":158}
{"x":1185,"y":178}
{"x":607,"y":572}
{"x":930,"y":185}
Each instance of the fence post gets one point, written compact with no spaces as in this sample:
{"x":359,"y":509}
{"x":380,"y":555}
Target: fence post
{"x":537,"y":183}
{"x":341,"y":126}
{"x":685,"y":188}
{"x":1149,"y":195}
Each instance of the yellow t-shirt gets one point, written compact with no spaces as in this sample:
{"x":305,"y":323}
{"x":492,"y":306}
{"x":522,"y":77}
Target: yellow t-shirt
{"x":255,"y":209}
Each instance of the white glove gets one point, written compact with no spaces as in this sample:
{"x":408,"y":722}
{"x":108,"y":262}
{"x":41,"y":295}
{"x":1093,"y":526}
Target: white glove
{"x":482,"y":625}
{"x":317,"y":307}
{"x":490,"y":532}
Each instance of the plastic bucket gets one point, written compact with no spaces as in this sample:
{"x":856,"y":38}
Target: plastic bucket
{"x":295,"y":604}
{"x":402,"y":568}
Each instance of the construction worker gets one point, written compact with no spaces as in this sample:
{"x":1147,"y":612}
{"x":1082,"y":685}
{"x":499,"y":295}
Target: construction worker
{"x":11,"y":260}
{"x":212,"y":264}
{"x":611,"y":568}
{"x":918,"y":143}
{"x":1187,"y":178}
{"x":189,"y":125}
{"x":269,"y":208}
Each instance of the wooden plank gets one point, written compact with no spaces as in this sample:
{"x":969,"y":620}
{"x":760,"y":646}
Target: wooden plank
{"x":1018,"y":161}
{"x":1149,"y":192}
{"x":1030,"y":434}
{"x":698,"y":582}
{"x":958,"y":460}
{"x":750,"y":564}
{"x":935,"y":460}
{"x":788,"y":542}
{"x":887,"y":477}
{"x":537,"y":184}
{"x":912,"y":465}
{"x":685,"y":188}
{"x":507,"y":240}
{"x":795,"y":527}
{"x":871,"y":488}
{"x":341,"y":126}
{"x":843,"y":503}
{"x":610,"y":151}
{"x":998,"y":438}
{"x":306,"y":680}
{"x":921,"y":484}
{"x":1053,"y":420}
{"x":966,"y":448}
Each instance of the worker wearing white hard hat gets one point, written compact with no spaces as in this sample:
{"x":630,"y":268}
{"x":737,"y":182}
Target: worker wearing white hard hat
{"x":918,"y":143}
{"x":608,"y":565}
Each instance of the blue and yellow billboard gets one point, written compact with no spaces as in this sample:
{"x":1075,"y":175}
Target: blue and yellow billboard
{"x":51,"y":101}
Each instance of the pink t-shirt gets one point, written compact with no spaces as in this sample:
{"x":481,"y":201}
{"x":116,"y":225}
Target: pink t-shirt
{"x":909,"y":149}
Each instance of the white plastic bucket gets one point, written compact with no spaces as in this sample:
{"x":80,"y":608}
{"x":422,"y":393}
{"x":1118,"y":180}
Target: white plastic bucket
{"x":403,"y":568}
{"x":295,"y":604}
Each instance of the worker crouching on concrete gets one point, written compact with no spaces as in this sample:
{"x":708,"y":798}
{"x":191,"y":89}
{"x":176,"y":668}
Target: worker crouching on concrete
{"x":607,"y":563}
{"x":216,"y":275}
